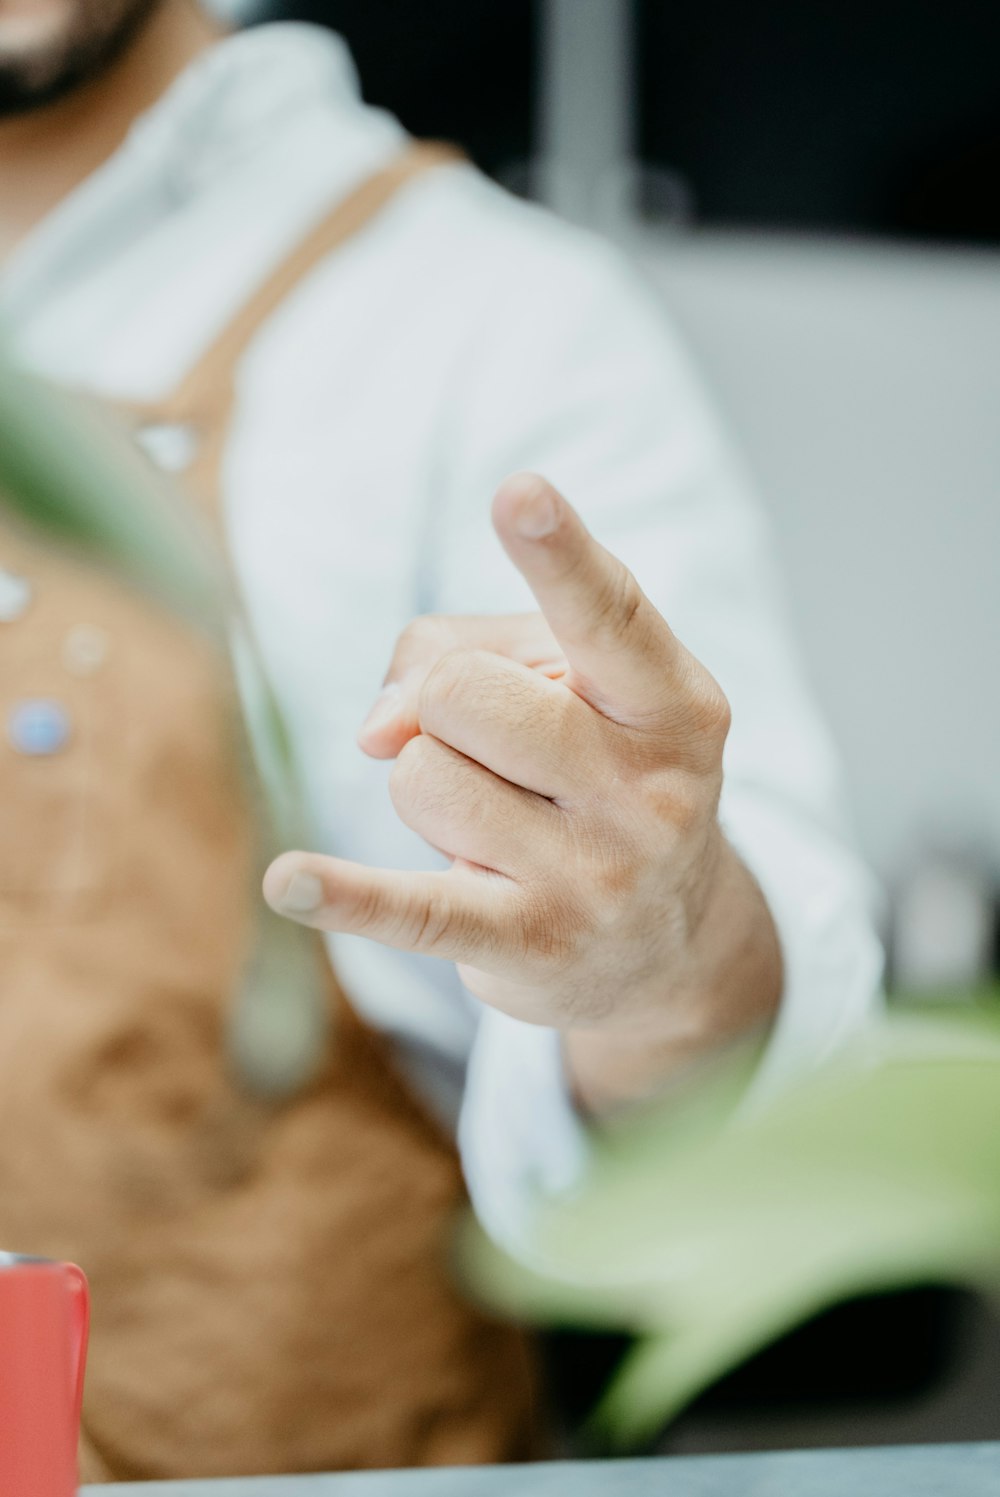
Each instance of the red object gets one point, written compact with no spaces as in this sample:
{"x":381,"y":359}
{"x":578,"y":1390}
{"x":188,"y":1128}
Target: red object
{"x":44,"y":1320}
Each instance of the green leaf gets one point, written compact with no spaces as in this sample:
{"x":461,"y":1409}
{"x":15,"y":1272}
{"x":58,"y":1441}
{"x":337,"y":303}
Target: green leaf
{"x":67,"y":471}
{"x":707,"y":1232}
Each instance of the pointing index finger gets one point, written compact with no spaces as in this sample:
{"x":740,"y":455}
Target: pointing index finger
{"x":625,"y":659}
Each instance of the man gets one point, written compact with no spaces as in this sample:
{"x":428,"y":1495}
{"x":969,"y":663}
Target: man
{"x":618,"y":907}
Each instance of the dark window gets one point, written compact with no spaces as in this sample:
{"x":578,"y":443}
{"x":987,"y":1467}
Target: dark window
{"x":454,"y":71}
{"x":847,"y":115}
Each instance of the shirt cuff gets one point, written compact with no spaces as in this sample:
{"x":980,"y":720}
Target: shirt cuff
{"x":520,"y":1136}
{"x":522,"y":1140}
{"x":823,"y":904}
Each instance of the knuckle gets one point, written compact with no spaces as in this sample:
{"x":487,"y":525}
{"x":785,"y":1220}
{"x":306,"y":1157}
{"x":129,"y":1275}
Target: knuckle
{"x":705,"y":697}
{"x":423,"y":638}
{"x":678,"y":804}
{"x":713,"y":714}
{"x":429,"y":920}
{"x":471,"y":686}
{"x":686,"y":809}
{"x":368,"y":911}
{"x":447,"y":679}
{"x":613,"y":867}
{"x":426,"y":627}
{"x":615,"y":607}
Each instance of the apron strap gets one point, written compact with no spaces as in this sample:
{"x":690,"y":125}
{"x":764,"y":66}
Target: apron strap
{"x":210,"y":381}
{"x":285,"y":991}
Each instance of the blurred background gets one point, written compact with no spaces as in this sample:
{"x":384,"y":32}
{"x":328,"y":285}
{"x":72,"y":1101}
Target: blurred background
{"x":815,"y":191}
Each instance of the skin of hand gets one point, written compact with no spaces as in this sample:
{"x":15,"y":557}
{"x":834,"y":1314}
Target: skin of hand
{"x":569,"y":763}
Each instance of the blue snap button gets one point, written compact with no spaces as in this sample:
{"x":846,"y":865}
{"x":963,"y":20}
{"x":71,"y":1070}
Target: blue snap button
{"x":38,"y":727}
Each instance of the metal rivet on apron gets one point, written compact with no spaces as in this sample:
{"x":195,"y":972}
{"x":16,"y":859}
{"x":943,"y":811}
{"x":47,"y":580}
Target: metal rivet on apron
{"x":16,"y":594}
{"x":171,"y":445}
{"x":38,"y":727}
{"x":85,"y":649}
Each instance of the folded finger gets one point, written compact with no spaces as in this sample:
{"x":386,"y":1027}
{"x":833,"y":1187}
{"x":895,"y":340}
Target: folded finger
{"x":466,"y":811}
{"x":524,"y":637}
{"x":528,"y":729}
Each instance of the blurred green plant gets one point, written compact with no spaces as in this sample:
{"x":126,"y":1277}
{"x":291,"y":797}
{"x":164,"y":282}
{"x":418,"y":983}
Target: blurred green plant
{"x":66,"y":471}
{"x":69,"y":473}
{"x":708,"y":1231}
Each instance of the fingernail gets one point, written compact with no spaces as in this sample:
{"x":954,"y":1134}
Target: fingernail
{"x":303,"y":895}
{"x":537,"y":515}
{"x":384,"y":709}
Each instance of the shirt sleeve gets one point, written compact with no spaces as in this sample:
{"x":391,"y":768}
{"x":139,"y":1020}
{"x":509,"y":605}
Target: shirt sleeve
{"x":577,"y":373}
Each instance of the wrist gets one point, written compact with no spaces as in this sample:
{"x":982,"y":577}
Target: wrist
{"x":724,"y":988}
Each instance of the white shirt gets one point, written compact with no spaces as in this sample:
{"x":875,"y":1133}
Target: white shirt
{"x":460,"y":336}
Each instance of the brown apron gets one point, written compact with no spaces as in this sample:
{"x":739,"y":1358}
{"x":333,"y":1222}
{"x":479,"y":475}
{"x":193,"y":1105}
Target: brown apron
{"x":270,"y":1281}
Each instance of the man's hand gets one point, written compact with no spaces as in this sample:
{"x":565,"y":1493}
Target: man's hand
{"x":570,"y":764}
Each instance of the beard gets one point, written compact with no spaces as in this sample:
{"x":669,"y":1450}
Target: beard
{"x":41,"y":63}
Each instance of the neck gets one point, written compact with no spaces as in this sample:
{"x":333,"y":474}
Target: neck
{"x":44,"y":154}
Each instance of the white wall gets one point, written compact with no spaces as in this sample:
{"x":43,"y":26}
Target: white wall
{"x":864,"y":386}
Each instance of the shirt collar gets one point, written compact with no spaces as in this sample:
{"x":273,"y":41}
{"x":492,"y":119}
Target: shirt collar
{"x":237,"y":93}
{"x":222,"y":109}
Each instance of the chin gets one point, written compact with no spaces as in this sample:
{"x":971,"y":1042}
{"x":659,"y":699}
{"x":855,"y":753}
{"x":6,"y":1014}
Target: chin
{"x":34,"y":26}
{"x":48,"y":48}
